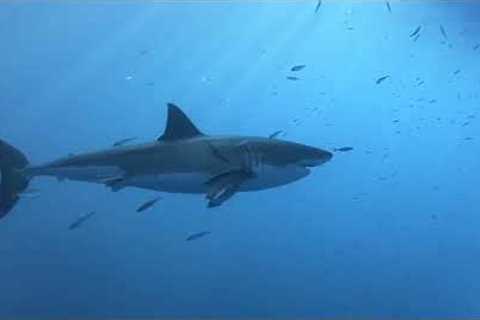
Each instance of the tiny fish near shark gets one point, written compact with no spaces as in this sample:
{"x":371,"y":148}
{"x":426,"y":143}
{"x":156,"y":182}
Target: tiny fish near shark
{"x":319,"y":4}
{"x":297,"y":67}
{"x":415,"y":32}
{"x":343,"y":149}
{"x":124,"y":141}
{"x":81,"y":220}
{"x":275,"y":134}
{"x":292,"y":78}
{"x":381,"y":79}
{"x":388,"y":6}
{"x":181,"y":160}
{"x":198,"y":235}
{"x":443,"y":32}
{"x":148,"y":204}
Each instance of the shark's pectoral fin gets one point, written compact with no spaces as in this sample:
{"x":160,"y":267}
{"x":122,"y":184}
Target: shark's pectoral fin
{"x":223,"y":186}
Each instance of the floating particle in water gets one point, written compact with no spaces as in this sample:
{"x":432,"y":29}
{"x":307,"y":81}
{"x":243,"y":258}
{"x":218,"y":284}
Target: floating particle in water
{"x":206,"y":79}
{"x":128,"y":78}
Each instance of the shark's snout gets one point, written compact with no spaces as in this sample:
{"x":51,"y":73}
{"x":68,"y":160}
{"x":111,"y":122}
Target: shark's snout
{"x":316,"y":157}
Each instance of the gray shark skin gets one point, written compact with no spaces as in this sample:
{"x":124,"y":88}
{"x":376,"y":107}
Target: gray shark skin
{"x":183,"y":160}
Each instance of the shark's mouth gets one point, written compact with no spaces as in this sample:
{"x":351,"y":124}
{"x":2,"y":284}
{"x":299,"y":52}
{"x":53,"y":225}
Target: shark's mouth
{"x":311,"y":163}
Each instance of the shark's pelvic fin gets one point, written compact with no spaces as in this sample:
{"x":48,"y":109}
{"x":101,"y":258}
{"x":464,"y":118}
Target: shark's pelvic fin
{"x":224,"y":186}
{"x":179,"y":126}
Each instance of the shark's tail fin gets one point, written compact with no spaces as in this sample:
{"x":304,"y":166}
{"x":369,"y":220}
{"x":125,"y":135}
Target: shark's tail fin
{"x":12,"y":181}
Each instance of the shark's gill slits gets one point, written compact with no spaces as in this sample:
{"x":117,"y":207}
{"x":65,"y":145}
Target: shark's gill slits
{"x":252,"y":158}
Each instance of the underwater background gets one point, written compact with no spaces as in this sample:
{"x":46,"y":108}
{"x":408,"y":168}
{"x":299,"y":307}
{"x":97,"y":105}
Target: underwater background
{"x":389,"y":229}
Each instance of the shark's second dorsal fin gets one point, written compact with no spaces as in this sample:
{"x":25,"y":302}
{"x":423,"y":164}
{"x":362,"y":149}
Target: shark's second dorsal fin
{"x":179,"y":126}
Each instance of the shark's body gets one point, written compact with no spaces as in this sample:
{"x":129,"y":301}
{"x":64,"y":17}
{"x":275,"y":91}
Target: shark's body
{"x":182,"y":160}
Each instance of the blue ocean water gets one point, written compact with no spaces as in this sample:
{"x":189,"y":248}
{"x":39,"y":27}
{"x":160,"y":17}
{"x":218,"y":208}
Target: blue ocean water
{"x":387,"y":230}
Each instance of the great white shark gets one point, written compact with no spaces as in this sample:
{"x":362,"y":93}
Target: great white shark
{"x":181,"y":160}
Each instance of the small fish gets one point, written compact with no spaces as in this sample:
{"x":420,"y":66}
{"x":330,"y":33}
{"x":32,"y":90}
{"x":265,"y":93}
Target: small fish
{"x":396,"y":121}
{"x":319,"y":4}
{"x":143,"y":52}
{"x":123,"y":141}
{"x":420,"y":83}
{"x":77,"y":223}
{"x":297,"y":67}
{"x":198,"y":235}
{"x":293,"y":78}
{"x":381,"y":79}
{"x":148,"y":204}
{"x":388,"y":6}
{"x":456,"y":72}
{"x":343,"y":149}
{"x":475,"y":47}
{"x":444,"y":34}
{"x":275,"y":134}
{"x":415,"y":32}
{"x":432,"y":101}
{"x":416,"y":37}
{"x":468,"y":138}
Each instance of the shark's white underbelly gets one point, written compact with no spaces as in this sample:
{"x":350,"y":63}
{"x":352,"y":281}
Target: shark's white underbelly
{"x":177,"y":182}
{"x":267,"y":177}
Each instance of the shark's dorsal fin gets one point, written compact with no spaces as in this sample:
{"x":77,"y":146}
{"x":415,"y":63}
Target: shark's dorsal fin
{"x":179,"y":126}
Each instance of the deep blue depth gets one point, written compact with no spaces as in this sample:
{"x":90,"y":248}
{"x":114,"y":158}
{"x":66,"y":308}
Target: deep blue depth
{"x":389,"y":229}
